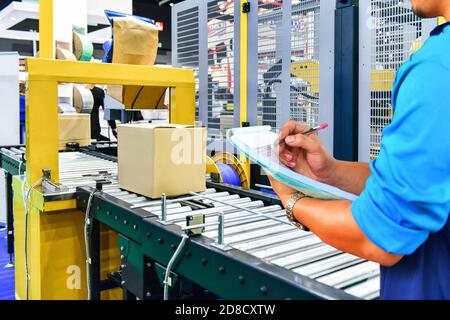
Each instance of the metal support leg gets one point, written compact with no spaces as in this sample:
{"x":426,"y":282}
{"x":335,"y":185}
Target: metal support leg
{"x":127,"y":295}
{"x":10,"y":219}
{"x":220,"y":243}
{"x":163,"y":219}
{"x":95,"y":260}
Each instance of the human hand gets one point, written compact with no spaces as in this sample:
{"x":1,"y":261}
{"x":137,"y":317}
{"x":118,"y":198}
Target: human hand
{"x":305,"y":154}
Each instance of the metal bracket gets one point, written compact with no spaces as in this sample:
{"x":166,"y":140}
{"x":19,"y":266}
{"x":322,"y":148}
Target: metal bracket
{"x":163,"y":218}
{"x":220,"y":243}
{"x":48,"y":186}
{"x":195,"y":220}
{"x":161,"y":272}
{"x":246,"y":7}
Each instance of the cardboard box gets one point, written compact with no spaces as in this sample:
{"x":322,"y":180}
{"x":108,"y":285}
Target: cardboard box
{"x":74,"y":128}
{"x":138,"y":97}
{"x":155,"y":159}
{"x":135,"y":41}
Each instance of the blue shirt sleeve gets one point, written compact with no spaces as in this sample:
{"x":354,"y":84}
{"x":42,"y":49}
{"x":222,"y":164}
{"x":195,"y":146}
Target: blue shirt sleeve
{"x":407,"y":196}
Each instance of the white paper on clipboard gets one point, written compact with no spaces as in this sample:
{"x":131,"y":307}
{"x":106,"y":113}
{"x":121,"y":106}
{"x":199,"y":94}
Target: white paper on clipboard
{"x":259,"y":144}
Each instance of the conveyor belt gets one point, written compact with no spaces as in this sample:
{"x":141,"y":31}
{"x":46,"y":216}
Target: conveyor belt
{"x":272,"y":239}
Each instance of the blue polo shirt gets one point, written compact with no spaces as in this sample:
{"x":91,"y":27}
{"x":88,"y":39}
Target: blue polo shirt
{"x":405,"y":206}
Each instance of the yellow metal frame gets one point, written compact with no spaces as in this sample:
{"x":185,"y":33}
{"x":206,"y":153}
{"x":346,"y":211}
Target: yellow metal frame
{"x":244,"y":79}
{"x":46,"y":39}
{"x":55,"y":230}
{"x":42,"y":103}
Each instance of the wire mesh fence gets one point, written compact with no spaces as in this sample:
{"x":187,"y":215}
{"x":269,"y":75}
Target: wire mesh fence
{"x":396,"y":34}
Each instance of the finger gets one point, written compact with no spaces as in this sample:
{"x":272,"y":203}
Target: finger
{"x":287,"y":155}
{"x":292,"y":127}
{"x":289,"y":164}
{"x":289,"y":158}
{"x":305,"y":142}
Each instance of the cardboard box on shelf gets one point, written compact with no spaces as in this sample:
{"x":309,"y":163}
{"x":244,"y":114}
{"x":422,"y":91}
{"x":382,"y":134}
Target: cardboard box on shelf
{"x":74,"y":128}
{"x":161,"y":158}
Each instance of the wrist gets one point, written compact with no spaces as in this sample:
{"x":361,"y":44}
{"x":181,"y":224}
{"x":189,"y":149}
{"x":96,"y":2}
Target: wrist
{"x":292,"y":211}
{"x":331,"y":176}
{"x":285,"y":198}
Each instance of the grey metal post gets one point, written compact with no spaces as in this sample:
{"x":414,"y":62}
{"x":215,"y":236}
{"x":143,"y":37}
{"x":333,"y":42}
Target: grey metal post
{"x":163,"y":208}
{"x":203,"y":62}
{"x":284,"y":43}
{"x":174,"y":32}
{"x":326,"y":95}
{"x":221,"y":230}
{"x":366,"y":26}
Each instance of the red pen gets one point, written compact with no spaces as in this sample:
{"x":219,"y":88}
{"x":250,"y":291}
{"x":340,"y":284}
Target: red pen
{"x":315,"y":129}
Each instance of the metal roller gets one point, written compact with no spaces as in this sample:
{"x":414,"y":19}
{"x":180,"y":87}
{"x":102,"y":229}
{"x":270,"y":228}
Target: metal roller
{"x":249,"y":225}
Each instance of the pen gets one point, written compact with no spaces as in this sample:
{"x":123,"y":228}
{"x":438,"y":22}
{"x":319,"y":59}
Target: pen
{"x":312,"y":130}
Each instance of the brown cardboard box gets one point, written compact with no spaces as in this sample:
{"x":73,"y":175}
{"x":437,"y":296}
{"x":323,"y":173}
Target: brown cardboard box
{"x":138,"y":97}
{"x":74,"y":128}
{"x":155,"y":159}
{"x":135,"y":41}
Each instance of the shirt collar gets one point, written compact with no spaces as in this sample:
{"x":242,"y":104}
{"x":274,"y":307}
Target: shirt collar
{"x":439,"y":29}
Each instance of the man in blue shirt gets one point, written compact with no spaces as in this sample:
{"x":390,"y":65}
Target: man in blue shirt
{"x":401,"y":219}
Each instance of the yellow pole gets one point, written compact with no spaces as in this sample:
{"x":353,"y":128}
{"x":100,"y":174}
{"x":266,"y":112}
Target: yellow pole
{"x":42,"y":129}
{"x":244,"y":78}
{"x":46,"y":41}
{"x":244,"y":64}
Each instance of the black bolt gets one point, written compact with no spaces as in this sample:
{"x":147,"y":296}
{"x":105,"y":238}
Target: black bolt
{"x":172,"y":246}
{"x":222,"y":270}
{"x":116,"y":217}
{"x":98,"y":208}
{"x":241,"y":279}
{"x":125,"y":222}
{"x":149,"y":235}
{"x":204,"y":261}
{"x":264,"y":290}
{"x":188,"y":254}
{"x":161,"y":240}
{"x":135,"y":227}
{"x":108,"y":213}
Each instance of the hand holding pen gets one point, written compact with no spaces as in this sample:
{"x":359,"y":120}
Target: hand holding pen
{"x":307,"y":132}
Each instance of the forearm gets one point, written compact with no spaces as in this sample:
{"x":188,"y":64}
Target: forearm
{"x":333,"y":222}
{"x":350,"y":176}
